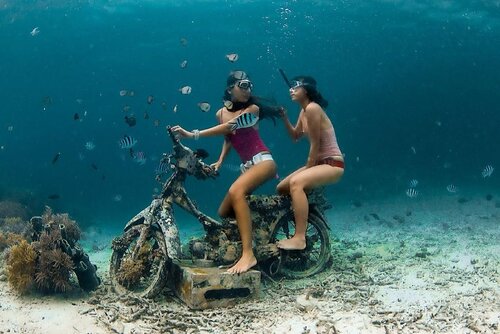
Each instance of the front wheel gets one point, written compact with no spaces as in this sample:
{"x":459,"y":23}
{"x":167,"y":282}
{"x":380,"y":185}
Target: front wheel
{"x":139,"y":263}
{"x":315,"y":257}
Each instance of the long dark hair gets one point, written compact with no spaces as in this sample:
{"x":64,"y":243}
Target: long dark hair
{"x":309,"y":84}
{"x":268,"y":108}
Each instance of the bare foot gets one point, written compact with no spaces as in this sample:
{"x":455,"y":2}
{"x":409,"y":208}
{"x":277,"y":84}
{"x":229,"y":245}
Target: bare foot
{"x":243,"y":265}
{"x":293,"y":243}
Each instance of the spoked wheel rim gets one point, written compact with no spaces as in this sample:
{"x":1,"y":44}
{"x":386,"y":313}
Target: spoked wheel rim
{"x":139,"y":263}
{"x":316,"y":255}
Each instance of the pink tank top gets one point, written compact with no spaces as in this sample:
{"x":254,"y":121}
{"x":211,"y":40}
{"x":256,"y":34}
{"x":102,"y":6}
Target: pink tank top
{"x":328,"y":146}
{"x":247,"y":143}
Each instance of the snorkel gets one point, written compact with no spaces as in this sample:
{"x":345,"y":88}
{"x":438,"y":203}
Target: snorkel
{"x":283,"y":75}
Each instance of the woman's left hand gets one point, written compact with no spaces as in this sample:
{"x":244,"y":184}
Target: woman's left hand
{"x":180,"y":131}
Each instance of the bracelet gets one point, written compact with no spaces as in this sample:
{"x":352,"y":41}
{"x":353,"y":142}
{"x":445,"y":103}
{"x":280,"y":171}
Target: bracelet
{"x":196,"y":134}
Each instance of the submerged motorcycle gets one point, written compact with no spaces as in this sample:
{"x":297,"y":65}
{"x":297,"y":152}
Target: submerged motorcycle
{"x":143,"y":255}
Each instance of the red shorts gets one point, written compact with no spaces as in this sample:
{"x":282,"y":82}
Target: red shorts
{"x":332,"y":162}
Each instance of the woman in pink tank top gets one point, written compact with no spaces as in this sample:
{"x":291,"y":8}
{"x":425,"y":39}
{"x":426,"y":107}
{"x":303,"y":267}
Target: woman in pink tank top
{"x":258,"y":165}
{"x":325,"y":163}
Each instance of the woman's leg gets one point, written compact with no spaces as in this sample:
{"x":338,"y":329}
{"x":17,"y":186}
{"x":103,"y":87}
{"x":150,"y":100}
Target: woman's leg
{"x":283,"y":188}
{"x":243,"y":186}
{"x":305,"y":180}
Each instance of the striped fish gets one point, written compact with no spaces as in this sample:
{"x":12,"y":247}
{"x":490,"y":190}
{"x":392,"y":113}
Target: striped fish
{"x":163,"y":167}
{"x":127,"y":142}
{"x":412,"y":192}
{"x":452,"y":188}
{"x":245,"y":120}
{"x":487,"y":171}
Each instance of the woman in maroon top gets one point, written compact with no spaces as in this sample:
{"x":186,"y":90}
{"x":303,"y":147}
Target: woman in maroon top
{"x":325,"y":163}
{"x":257,"y":165}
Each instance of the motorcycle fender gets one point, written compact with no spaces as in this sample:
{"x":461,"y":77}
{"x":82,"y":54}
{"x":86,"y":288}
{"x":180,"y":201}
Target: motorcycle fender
{"x":170,"y":231}
{"x":144,"y":216}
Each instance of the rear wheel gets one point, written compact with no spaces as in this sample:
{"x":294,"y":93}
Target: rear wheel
{"x":139,"y":263}
{"x":315,"y":257}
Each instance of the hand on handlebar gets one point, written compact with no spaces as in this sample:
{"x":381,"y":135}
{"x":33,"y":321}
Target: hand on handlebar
{"x":209,"y":170}
{"x":216,"y":165}
{"x":178,"y":130}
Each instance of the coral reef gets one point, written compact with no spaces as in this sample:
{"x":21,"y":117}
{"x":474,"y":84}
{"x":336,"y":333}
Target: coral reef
{"x":51,"y":258}
{"x":13,"y":209}
{"x":54,"y":271}
{"x":9,"y":239}
{"x":21,"y":264}
{"x":15,"y":225}
{"x":72,"y":231}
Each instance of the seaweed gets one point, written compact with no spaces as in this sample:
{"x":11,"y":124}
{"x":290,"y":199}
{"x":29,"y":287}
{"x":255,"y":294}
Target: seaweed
{"x":132,"y":269}
{"x":21,"y":265}
{"x":54,"y":271}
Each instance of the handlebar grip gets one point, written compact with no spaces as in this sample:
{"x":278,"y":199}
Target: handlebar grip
{"x":174,"y":138}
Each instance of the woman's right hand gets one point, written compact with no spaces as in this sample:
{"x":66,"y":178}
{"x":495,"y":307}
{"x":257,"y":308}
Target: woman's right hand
{"x":216,"y":165}
{"x":177,"y":129}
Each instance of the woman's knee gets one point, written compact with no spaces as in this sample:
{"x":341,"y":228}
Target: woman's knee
{"x":296,"y":185}
{"x":236,"y":193}
{"x":282,"y":188}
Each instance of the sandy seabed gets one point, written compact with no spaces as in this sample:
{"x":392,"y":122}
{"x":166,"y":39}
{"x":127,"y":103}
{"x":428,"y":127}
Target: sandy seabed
{"x":417,"y":266}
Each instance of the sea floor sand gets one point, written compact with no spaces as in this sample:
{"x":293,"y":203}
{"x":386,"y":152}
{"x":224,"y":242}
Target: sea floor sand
{"x":417,"y":266}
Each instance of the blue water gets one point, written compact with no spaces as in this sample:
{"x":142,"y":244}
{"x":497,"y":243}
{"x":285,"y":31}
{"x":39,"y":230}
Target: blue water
{"x":414,"y":92}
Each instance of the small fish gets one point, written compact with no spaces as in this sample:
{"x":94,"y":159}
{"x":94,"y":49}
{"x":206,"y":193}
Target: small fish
{"x":126,"y":108}
{"x":53,"y":196}
{"x":131,"y":93}
{"x":127,"y":142}
{"x":76,"y":117}
{"x":204,"y":106}
{"x":140,"y":158}
{"x":89,"y":146}
{"x":412,"y":192}
{"x":164,"y":106}
{"x":413,"y":183}
{"x":183,"y":64}
{"x":163,"y":167}
{"x":79,"y":101}
{"x":150,"y":99}
{"x":10,"y":128}
{"x":487,"y":171}
{"x":245,"y":120}
{"x":56,"y":157}
{"x":123,"y":92}
{"x":451,"y":188}
{"x":232,"y":57}
{"x":156,"y":122}
{"x":94,"y":166}
{"x":183,"y":41}
{"x":130,"y":120}
{"x":46,"y":102}
{"x":35,"y":31}
{"x":186,"y":90}
{"x":175,"y":109}
{"x":146,"y":115}
{"x":413,"y":150}
{"x":117,"y":198}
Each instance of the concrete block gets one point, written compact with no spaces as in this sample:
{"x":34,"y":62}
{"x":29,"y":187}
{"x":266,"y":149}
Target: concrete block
{"x":202,"y":288}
